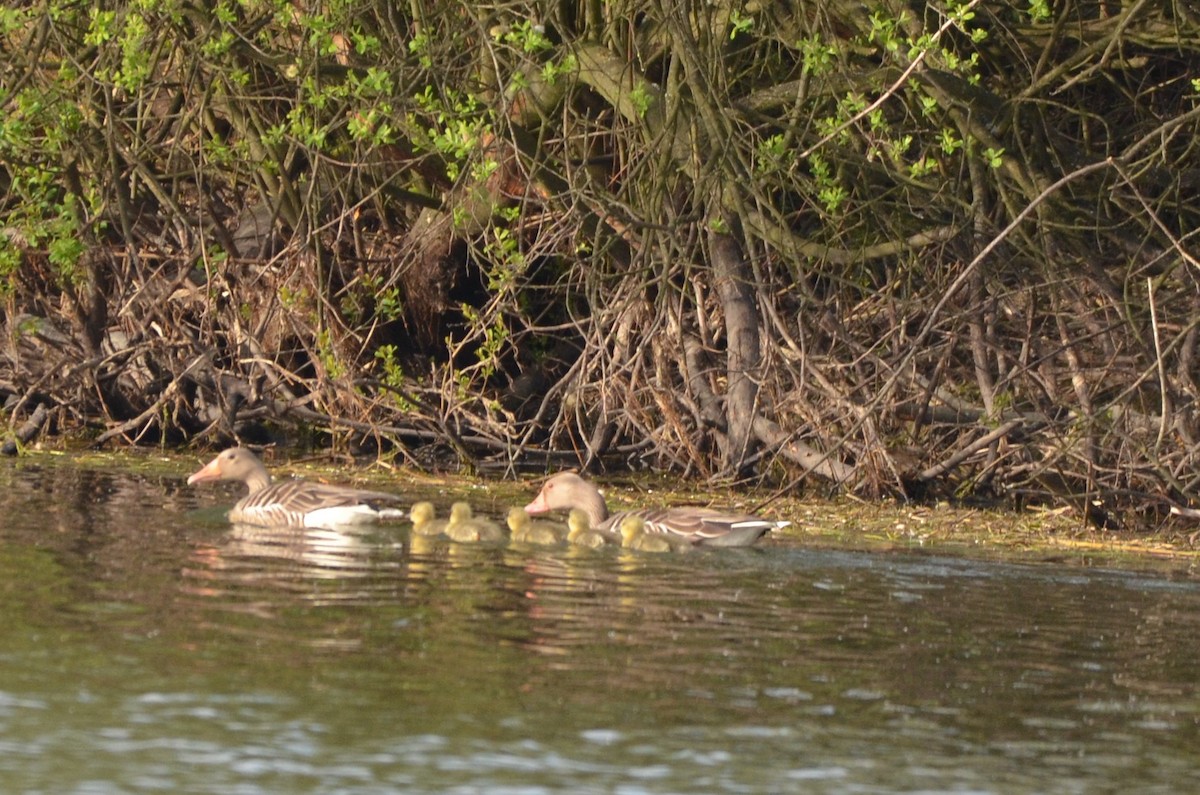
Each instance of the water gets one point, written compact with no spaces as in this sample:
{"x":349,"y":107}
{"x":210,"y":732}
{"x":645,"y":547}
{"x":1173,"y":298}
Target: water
{"x":146,"y":646}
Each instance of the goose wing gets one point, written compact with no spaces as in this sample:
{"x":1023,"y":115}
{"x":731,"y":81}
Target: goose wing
{"x":289,"y":502}
{"x":707,"y":526}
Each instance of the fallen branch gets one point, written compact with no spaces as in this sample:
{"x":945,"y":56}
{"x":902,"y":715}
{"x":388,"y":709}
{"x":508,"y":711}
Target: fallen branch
{"x":29,"y":429}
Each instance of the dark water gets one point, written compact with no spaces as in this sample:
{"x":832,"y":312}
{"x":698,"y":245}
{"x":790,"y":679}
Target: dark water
{"x":146,"y":646}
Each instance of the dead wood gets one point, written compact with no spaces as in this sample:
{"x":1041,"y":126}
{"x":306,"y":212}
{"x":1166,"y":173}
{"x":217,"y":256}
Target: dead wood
{"x":921,"y":253}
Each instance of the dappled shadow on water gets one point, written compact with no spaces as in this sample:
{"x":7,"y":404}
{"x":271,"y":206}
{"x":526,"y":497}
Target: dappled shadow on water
{"x":428,"y":666}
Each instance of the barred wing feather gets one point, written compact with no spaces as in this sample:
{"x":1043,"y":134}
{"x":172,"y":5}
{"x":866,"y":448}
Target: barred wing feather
{"x":703,"y":526}
{"x":299,"y":503}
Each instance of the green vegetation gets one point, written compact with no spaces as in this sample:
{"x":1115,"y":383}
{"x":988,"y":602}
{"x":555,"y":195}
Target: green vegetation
{"x":915,"y":250}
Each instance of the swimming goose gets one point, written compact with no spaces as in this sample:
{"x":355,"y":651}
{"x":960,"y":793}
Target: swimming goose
{"x":523,"y":528}
{"x":425,"y":521}
{"x":634,"y":536}
{"x":292,"y":503}
{"x":465,"y":526}
{"x":580,"y":531}
{"x":706,"y":526}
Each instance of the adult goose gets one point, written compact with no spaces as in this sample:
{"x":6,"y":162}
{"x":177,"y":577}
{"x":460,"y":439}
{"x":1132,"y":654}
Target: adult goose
{"x":700,"y":526}
{"x":293,"y":503}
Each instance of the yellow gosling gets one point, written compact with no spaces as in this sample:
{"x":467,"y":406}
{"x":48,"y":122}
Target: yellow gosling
{"x":580,"y":531}
{"x":464,"y":526}
{"x":634,"y":536}
{"x":522,"y":528}
{"x":424,"y":520}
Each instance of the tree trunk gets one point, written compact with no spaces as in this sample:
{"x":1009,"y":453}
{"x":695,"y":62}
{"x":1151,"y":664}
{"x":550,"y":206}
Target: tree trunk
{"x":732,"y":279}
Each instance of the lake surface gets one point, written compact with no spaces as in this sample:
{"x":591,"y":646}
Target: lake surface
{"x":147,"y":646}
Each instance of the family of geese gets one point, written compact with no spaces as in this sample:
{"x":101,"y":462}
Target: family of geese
{"x":306,"y":503}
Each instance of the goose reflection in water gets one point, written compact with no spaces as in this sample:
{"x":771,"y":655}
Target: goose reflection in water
{"x":287,"y":586}
{"x":248,"y":561}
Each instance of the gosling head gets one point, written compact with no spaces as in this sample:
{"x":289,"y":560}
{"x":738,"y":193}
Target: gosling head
{"x":421,"y":513}
{"x":578,"y":523}
{"x":631,"y":527}
{"x":517,"y":519}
